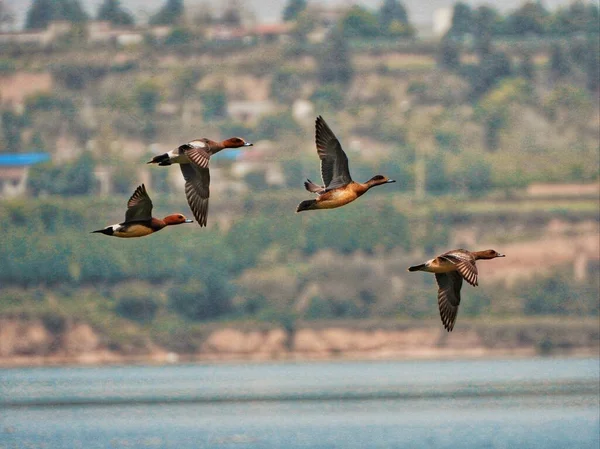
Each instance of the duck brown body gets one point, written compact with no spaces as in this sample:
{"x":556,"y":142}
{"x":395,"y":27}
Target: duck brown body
{"x":193,"y":159}
{"x":450,"y":269}
{"x":138,"y":218}
{"x":146,"y":227}
{"x":338,"y":188}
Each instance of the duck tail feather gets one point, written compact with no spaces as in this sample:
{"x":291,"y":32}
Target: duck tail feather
{"x":312,"y":187}
{"x":306,"y":205}
{"x":161,"y":159}
{"x":105,"y":231}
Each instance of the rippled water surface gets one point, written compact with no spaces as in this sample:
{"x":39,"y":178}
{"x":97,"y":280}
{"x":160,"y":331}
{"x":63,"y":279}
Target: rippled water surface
{"x":545,"y":403}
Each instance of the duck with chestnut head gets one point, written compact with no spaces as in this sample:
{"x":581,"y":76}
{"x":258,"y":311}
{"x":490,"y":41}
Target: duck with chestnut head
{"x":193,"y":158}
{"x":138,"y":218}
{"x":450,"y":269}
{"x":338,"y":187}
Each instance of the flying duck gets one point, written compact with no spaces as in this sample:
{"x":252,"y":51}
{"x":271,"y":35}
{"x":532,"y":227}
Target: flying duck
{"x":138,"y":218}
{"x":450,"y":269}
{"x":193,"y":158}
{"x":338,"y":187}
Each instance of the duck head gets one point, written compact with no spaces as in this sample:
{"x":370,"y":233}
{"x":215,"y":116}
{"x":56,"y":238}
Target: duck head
{"x":378,"y":180}
{"x":176,"y":219}
{"x":488,"y":254}
{"x":235,"y":142}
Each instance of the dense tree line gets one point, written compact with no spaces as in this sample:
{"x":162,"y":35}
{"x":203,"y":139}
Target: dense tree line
{"x":531,"y":19}
{"x":256,"y":269}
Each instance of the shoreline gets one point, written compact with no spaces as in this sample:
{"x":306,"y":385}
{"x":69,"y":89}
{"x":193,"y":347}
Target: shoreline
{"x":108,"y":359}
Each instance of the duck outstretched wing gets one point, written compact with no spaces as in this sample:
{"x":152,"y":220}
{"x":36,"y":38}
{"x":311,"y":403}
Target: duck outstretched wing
{"x":334,"y":162}
{"x":465,"y":264}
{"x":197,"y":190}
{"x":139,"y":206}
{"x":197,"y":151}
{"x":448,"y":297}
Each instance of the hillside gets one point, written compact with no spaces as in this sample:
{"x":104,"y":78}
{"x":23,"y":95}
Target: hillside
{"x":491,"y":132}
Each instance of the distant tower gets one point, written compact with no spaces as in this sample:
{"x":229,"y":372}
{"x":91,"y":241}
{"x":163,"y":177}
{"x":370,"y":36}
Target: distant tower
{"x":442,"y":21}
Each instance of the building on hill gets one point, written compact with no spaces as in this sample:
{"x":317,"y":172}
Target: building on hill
{"x":273,"y":32}
{"x":42,"y":38}
{"x":14,"y":169}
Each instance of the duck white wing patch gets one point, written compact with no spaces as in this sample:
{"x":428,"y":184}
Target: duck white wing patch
{"x":178,"y":157}
{"x":198,"y":144}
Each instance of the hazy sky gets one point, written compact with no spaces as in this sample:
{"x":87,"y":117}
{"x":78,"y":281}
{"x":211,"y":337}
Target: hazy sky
{"x":420,"y":11}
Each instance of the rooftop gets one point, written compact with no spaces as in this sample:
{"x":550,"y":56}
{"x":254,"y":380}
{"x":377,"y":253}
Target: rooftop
{"x":21,"y":159}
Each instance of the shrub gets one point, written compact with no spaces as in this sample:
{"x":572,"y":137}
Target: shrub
{"x":197,"y":300}
{"x":214,"y":104}
{"x":141,"y":308}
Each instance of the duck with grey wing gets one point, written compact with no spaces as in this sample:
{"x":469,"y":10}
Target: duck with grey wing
{"x":193,"y":158}
{"x":338,"y":187}
{"x":138,"y":218}
{"x":450,"y":269}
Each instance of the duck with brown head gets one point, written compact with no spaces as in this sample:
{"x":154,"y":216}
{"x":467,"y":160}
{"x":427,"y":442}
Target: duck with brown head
{"x":193,"y":158}
{"x":138,"y":218}
{"x":338,"y":187}
{"x":450,"y":269}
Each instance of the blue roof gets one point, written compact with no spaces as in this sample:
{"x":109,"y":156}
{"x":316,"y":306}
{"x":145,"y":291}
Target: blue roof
{"x":20,"y":159}
{"x":229,"y":154}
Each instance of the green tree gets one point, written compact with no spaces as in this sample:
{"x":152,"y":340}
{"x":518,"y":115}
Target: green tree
{"x":203,"y":299}
{"x":328,"y":96}
{"x":527,"y":67}
{"x":137,"y":303}
{"x":360,"y":22}
{"x":305,"y":23}
{"x":493,"y":68}
{"x":393,"y":16}
{"x":178,"y":36}
{"x":75,"y":178}
{"x":12,"y":125}
{"x":273,"y":126}
{"x":293,"y":9}
{"x":484,"y":20}
{"x":461,"y":20}
{"x":39,"y":14}
{"x":569,"y":105}
{"x":147,"y":96}
{"x":335,"y":65}
{"x":494,"y":108}
{"x":592,"y":65}
{"x":560,"y":66}
{"x":214,"y":104}
{"x":475,"y":176}
{"x":170,"y":14}
{"x":531,"y":18}
{"x":79,"y":178}
{"x":113,"y":12}
{"x":449,"y":53}
{"x":232,"y":16}
{"x":579,"y":17}
{"x":42,"y":12}
{"x":286,"y":85}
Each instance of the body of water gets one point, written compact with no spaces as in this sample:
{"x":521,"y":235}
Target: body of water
{"x":542,"y":403}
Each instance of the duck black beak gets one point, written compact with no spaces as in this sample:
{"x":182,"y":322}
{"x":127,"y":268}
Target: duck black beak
{"x":187,"y":220}
{"x":390,"y":180}
{"x":248,"y":144}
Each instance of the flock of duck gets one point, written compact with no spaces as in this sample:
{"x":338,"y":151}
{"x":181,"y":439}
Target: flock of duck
{"x":338,"y":189}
